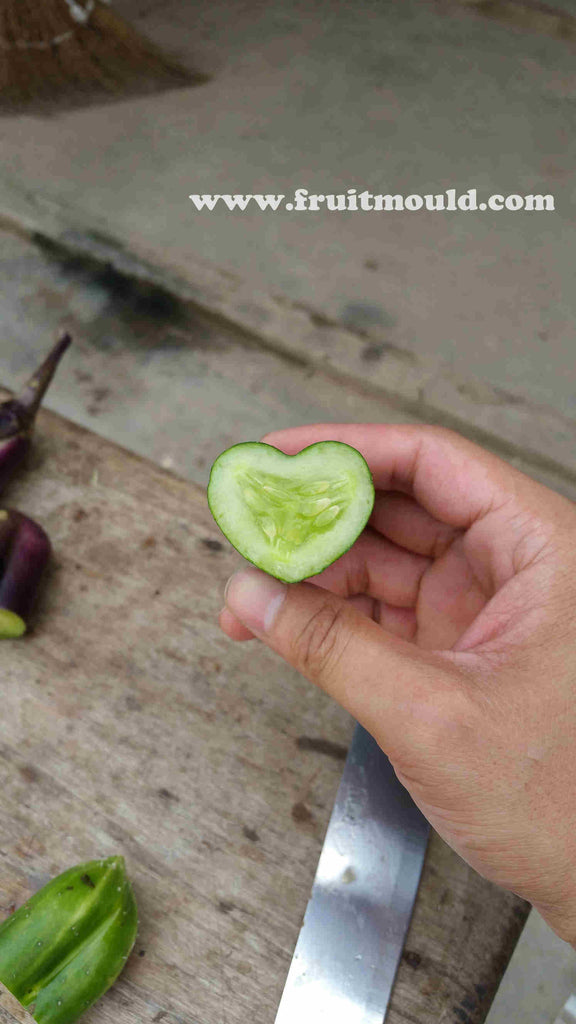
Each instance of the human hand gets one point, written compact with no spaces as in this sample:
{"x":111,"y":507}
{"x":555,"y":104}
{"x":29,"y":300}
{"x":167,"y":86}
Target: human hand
{"x":449,"y":631}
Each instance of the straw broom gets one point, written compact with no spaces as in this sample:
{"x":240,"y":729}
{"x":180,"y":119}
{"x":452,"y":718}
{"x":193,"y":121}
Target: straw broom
{"x":73,"y":52}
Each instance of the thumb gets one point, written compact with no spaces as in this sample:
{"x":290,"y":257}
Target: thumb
{"x":387,"y":684}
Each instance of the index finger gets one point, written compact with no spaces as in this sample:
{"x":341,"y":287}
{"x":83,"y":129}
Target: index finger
{"x":455,"y":480}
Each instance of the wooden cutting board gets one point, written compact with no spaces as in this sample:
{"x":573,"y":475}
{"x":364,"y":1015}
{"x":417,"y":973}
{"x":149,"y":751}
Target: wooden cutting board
{"x":129,"y":724}
{"x":11,"y":1012}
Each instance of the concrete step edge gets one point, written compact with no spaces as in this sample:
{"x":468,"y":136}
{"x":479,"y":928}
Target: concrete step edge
{"x":529,"y":434}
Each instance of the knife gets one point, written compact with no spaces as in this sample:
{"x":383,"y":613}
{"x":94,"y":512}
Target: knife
{"x":568,"y":1014}
{"x":351,"y":941}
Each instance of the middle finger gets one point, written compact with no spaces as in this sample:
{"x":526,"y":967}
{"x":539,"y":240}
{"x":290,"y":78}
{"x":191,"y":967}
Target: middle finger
{"x":375,"y":566}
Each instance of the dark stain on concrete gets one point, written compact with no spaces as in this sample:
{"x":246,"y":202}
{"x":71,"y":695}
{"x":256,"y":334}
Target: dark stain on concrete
{"x":125,"y":293}
{"x":101,"y":238}
{"x":364,"y":317}
{"x":141,"y":298}
{"x":138,"y":312}
{"x":320,"y":320}
{"x":529,"y":15}
{"x":372,"y":353}
{"x":99,"y":396}
{"x":483,"y":393}
{"x":377,"y":350}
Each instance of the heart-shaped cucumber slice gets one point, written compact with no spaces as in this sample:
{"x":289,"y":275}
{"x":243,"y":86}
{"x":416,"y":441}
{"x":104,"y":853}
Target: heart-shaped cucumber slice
{"x":291,"y":515}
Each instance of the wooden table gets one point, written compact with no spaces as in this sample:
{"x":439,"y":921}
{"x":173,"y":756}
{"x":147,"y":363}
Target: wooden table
{"x":129,"y":724}
{"x":11,"y":1011}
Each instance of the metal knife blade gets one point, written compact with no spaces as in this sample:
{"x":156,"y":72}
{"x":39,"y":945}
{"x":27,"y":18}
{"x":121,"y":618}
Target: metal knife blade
{"x":568,"y":1014}
{"x":356,"y":921}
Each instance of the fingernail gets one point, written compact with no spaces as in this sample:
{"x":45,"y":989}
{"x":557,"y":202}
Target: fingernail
{"x":255,"y":598}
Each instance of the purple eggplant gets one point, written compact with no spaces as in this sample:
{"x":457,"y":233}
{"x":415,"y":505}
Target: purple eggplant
{"x":24,"y":553}
{"x":24,"y":546}
{"x":17,"y":415}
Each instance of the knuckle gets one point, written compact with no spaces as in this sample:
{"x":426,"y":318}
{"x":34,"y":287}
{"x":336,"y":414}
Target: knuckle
{"x":322,"y":642}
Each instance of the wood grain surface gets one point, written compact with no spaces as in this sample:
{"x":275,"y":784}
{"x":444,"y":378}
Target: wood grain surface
{"x":129,"y":724}
{"x":11,"y":1011}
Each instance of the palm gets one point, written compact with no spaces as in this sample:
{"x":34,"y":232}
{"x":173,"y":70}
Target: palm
{"x":428,"y":582}
{"x":437,"y":562}
{"x":471,"y":562}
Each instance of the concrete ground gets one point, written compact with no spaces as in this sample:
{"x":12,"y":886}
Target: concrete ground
{"x":196,"y":330}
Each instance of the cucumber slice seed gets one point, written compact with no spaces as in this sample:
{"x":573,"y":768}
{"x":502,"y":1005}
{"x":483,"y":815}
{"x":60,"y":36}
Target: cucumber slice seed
{"x":291,"y":515}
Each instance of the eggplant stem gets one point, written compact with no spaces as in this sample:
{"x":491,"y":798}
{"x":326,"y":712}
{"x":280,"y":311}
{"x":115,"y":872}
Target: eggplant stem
{"x":34,"y":390}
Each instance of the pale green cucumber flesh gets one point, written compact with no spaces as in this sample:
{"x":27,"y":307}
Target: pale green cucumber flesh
{"x":291,"y":515}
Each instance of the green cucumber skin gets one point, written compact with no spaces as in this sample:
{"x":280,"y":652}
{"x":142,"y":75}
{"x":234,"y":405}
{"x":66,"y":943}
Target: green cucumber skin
{"x":262,"y":444}
{"x":65,"y":946}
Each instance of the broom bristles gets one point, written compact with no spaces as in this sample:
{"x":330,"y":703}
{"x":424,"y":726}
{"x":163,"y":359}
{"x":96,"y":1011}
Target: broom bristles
{"x":48,"y":58}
